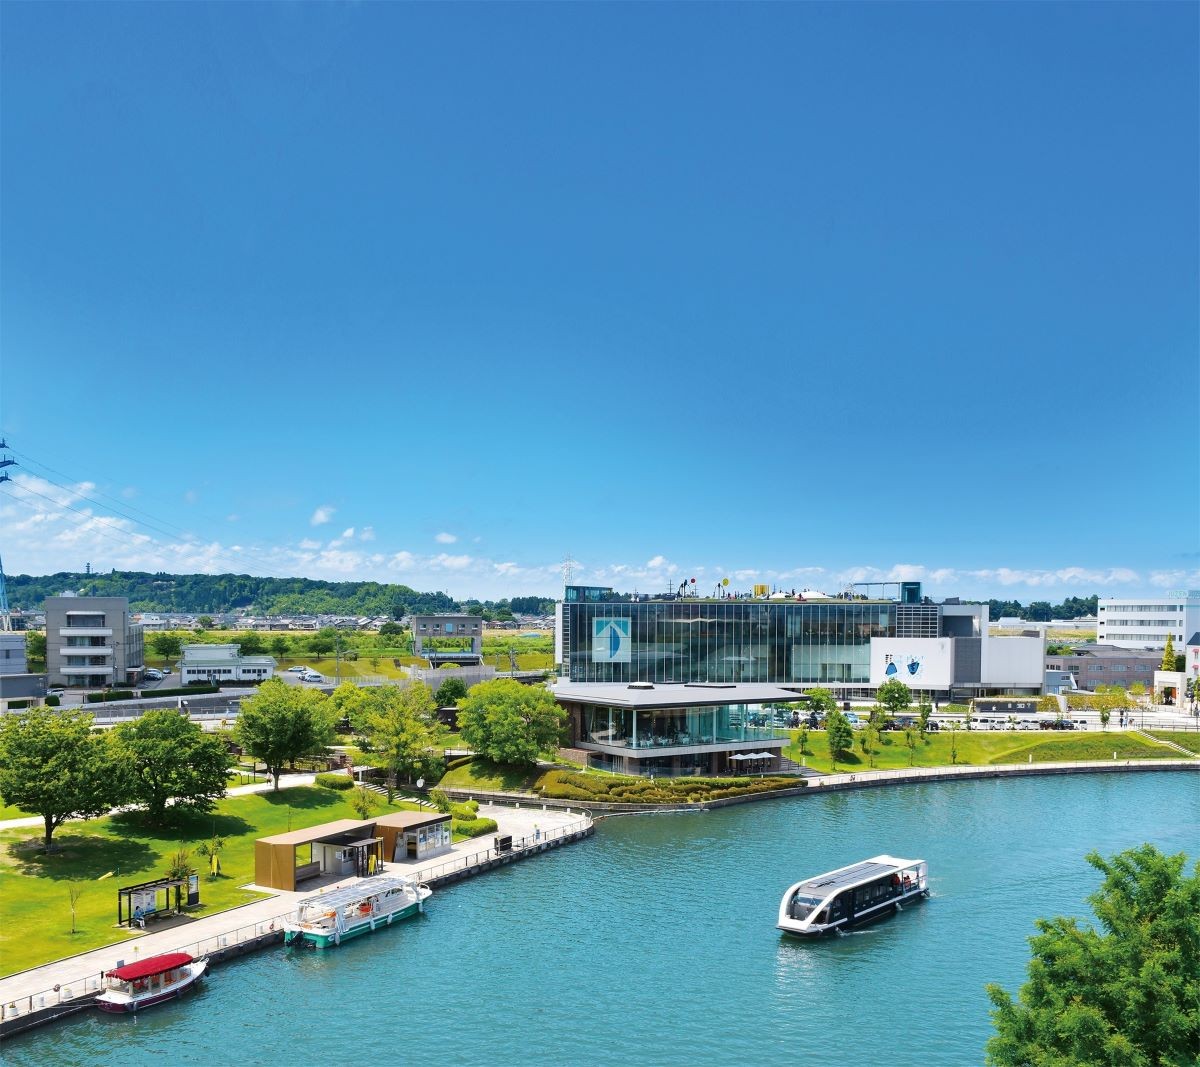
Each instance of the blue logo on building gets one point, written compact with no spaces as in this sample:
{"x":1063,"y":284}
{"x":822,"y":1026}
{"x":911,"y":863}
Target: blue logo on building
{"x":611,"y":641}
{"x":914,"y":666}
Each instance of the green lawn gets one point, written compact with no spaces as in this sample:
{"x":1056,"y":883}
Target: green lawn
{"x":1188,"y":739}
{"x":11,"y":811}
{"x":35,"y":914}
{"x":979,"y":748}
{"x":485,"y":775}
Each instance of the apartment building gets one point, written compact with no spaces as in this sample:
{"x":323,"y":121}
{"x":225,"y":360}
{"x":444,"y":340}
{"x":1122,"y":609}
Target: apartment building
{"x":92,"y":641}
{"x":1144,"y":622}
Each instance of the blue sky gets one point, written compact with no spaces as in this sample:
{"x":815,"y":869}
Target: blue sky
{"x":439,"y":294}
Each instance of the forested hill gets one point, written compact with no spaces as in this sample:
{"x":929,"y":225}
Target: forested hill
{"x":229,"y":592}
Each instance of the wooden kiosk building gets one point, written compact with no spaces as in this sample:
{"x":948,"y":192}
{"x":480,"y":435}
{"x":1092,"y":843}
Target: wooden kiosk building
{"x":348,"y":848}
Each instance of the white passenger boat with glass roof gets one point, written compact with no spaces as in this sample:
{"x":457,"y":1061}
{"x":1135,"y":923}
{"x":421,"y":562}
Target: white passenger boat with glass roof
{"x":331,"y":918}
{"x":852,"y":895}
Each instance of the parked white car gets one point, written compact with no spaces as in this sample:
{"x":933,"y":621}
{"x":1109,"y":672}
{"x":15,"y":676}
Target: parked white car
{"x":298,"y":670}
{"x":312,"y":676}
{"x":153,"y":675}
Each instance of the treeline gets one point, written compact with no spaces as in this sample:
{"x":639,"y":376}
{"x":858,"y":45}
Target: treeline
{"x":219,"y":593}
{"x":1073,"y":607}
{"x":216,"y":594}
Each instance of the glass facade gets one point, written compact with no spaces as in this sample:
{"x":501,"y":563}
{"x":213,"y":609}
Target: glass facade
{"x":666,"y":728}
{"x":723,"y":640}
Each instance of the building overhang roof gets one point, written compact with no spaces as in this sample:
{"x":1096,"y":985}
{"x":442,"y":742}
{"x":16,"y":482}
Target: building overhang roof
{"x":672,"y":694}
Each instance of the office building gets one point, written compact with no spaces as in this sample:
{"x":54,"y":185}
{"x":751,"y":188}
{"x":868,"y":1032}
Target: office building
{"x":213,"y":664}
{"x":1145,"y":622}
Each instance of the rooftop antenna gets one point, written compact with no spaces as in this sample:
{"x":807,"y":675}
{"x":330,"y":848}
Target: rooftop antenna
{"x":568,"y":569}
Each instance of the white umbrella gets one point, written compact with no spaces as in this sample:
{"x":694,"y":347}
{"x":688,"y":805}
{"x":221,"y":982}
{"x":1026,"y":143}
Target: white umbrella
{"x":741,"y":755}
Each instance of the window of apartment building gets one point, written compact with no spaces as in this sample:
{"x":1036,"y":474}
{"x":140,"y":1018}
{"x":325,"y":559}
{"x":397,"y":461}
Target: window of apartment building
{"x":1095,"y":666}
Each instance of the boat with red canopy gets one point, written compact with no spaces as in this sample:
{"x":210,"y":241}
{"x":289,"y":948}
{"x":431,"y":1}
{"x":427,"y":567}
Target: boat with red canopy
{"x":149,"y":981}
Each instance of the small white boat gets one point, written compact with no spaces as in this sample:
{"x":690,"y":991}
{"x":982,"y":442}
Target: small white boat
{"x":149,"y":981}
{"x":331,"y":918}
{"x":850,"y":896}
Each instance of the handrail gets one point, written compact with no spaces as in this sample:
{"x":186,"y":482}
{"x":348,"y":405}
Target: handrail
{"x":88,"y":985}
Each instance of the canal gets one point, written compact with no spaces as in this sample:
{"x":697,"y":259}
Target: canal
{"x":654,"y":943}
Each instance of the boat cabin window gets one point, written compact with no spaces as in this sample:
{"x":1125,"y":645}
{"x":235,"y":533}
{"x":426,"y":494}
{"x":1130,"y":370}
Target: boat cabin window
{"x":802,"y":906}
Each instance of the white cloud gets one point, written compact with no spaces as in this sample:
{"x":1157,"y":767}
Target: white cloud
{"x":308,"y":545}
{"x":445,"y":539}
{"x":191,"y":496}
{"x":129,"y":492}
{"x":322,"y":515}
{"x":232,"y":518}
{"x":451,"y":563}
{"x":368,"y":534}
{"x":348,"y":534}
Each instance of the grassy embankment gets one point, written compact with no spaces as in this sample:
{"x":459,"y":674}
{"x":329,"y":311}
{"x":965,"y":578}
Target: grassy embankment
{"x":1189,"y":739}
{"x":977,"y":748}
{"x":35,"y":912}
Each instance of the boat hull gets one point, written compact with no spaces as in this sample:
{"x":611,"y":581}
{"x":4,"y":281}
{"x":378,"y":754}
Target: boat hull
{"x":318,"y":939}
{"x":862,"y":919}
{"x":130,"y":1005}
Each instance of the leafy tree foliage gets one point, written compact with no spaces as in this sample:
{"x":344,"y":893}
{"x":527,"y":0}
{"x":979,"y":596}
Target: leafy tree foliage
{"x":281,"y":723}
{"x":895,"y":696}
{"x":840,"y":734}
{"x":450,"y":692}
{"x":1168,"y":659}
{"x":821,"y":701}
{"x":510,"y":722}
{"x":35,"y":645}
{"x":164,"y":757}
{"x":53,"y":765}
{"x":1124,"y":995}
{"x":400,"y":723}
{"x":391,"y":629}
{"x":924,"y":711}
{"x":166,"y":645}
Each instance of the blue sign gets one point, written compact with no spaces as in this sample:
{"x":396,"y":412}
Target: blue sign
{"x":611,"y":642}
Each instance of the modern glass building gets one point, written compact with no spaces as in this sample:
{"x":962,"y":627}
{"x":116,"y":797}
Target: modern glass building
{"x":693,"y":640}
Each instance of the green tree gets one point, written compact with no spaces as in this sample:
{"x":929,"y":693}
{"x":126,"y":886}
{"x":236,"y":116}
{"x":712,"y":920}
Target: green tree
{"x":280,"y":646}
{"x":866,"y":741}
{"x":166,"y":757}
{"x":924,"y":711}
{"x":53,"y":765}
{"x":364,"y":801}
{"x":802,"y":740}
{"x":401,"y":724}
{"x":391,"y":629}
{"x":840,"y":734}
{"x":450,"y":692}
{"x":821,"y":701}
{"x":1168,"y":657}
{"x":1124,"y":995}
{"x":35,"y":645}
{"x":954,"y":728}
{"x":895,"y":696}
{"x":350,"y":702}
{"x":166,"y":646}
{"x":204,"y":622}
{"x":211,"y":851}
{"x":180,"y":867}
{"x":281,"y":722}
{"x":322,"y":642}
{"x":510,"y":722}
{"x":911,"y":737}
{"x":250,"y":644}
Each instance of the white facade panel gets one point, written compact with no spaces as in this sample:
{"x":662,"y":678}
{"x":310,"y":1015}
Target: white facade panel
{"x":919,"y":662}
{"x":1014,"y":661}
{"x":1144,"y":622}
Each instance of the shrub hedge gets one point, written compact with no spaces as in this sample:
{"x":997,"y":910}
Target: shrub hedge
{"x":51,"y":701}
{"x":474,"y":827}
{"x":191,"y":690}
{"x":571,"y":785}
{"x":335,"y":781}
{"x":110,"y":694}
{"x":20,"y":705}
{"x":466,"y":811}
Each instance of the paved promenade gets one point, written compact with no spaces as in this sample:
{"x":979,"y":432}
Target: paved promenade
{"x":81,"y":974}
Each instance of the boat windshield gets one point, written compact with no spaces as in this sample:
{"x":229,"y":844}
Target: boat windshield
{"x":803,"y":906}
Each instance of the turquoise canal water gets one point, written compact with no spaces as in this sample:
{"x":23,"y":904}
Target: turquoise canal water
{"x":654,"y":943}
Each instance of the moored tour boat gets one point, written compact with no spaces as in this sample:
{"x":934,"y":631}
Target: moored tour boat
{"x":149,"y":981}
{"x":331,"y":918}
{"x":850,"y":896}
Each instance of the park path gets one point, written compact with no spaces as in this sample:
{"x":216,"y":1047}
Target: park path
{"x":81,"y":973}
{"x":285,"y":782}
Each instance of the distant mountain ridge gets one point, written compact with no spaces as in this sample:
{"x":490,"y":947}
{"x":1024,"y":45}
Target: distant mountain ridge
{"x":219,"y":593}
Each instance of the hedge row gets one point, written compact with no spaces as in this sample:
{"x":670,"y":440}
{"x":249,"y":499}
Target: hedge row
{"x":191,"y":690}
{"x":570,"y":785}
{"x":474,"y":827}
{"x":466,"y":811}
{"x":109,"y":694}
{"x":335,"y":781}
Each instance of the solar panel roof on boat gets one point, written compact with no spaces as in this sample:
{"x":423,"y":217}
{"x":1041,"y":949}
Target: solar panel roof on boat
{"x":826,"y":883}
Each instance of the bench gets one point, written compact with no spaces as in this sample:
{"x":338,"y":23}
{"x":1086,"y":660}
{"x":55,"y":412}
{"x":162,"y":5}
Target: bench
{"x":307,"y":870}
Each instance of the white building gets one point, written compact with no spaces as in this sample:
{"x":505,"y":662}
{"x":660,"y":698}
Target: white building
{"x":1144,"y":622}
{"x":92,"y":641}
{"x":213,"y":664}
